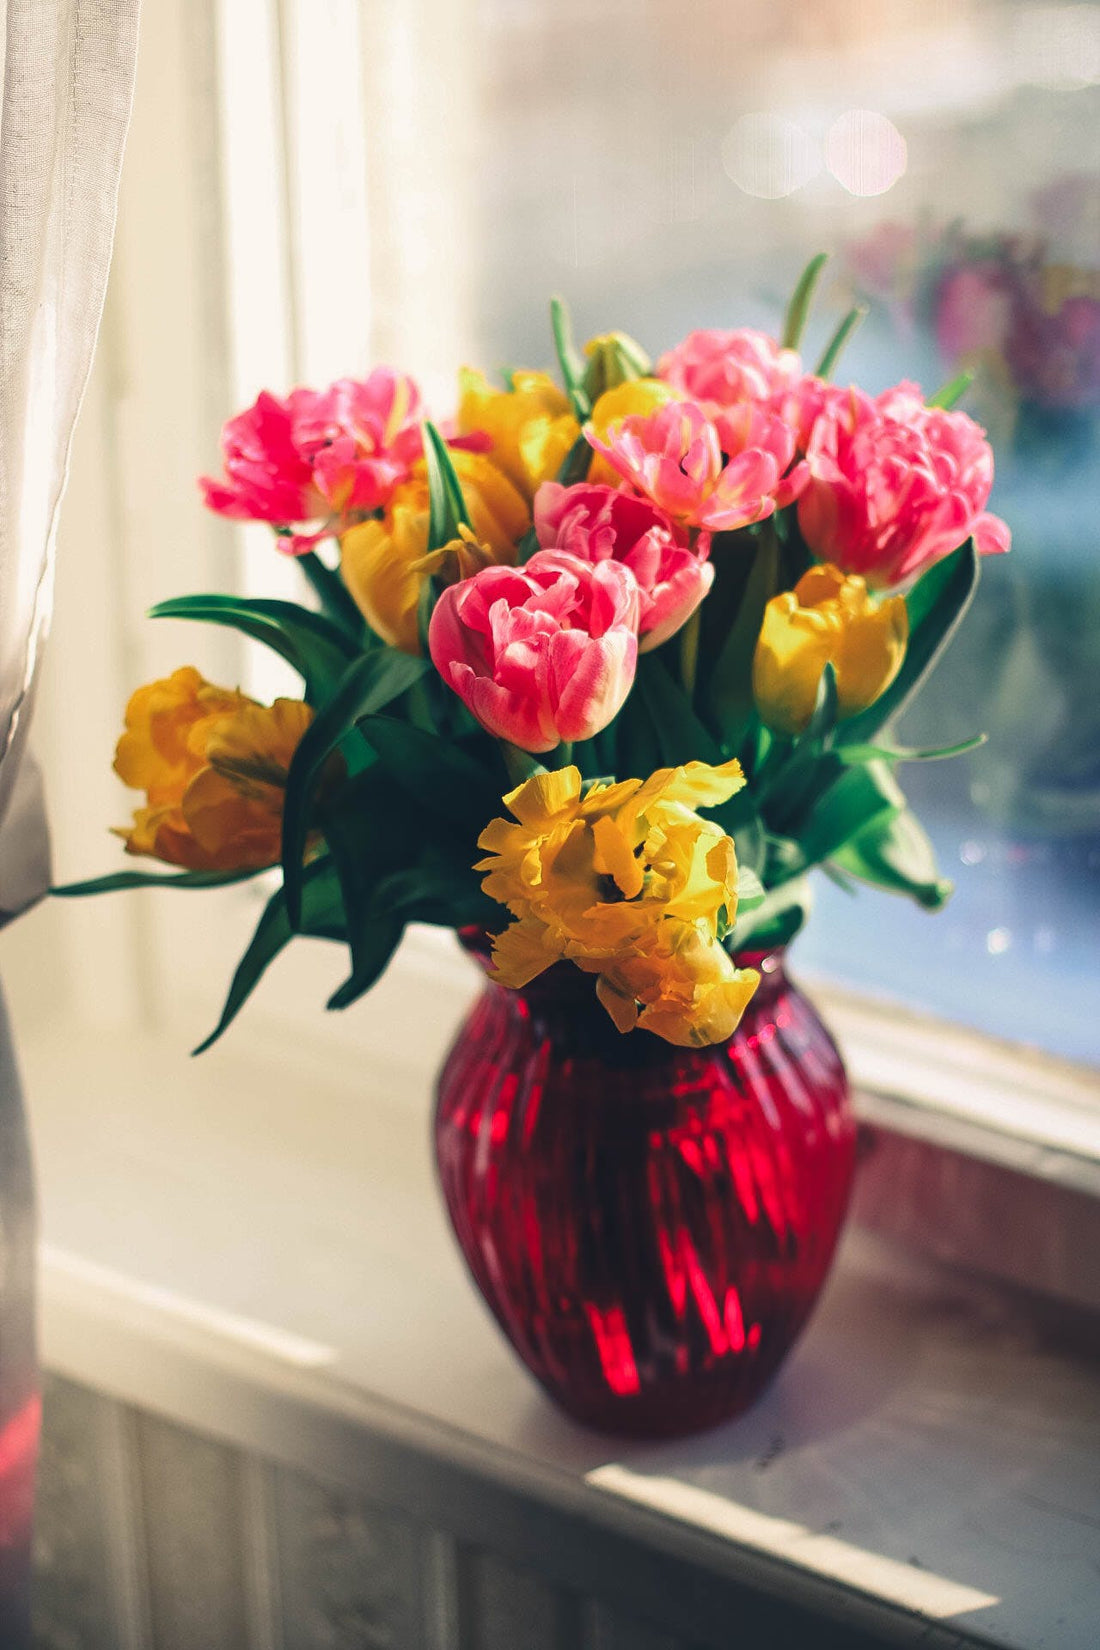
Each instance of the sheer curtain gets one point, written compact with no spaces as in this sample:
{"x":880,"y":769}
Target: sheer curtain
{"x":67,"y":74}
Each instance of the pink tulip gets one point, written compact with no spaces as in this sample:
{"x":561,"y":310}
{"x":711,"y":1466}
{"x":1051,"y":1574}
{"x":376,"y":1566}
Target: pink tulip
{"x":719,"y":473}
{"x":267,"y":479}
{"x":722,"y":369}
{"x":541,"y":653}
{"x":602,"y":523}
{"x":803,"y":403}
{"x":362,"y":438}
{"x":896,"y":485}
{"x":318,"y":456}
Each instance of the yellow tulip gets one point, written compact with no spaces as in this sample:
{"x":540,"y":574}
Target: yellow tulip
{"x":634,"y":398}
{"x":632,"y":885}
{"x":385,"y":563}
{"x":828,"y":618}
{"x":213,"y":764}
{"x":531,"y":426}
{"x":684,"y":988}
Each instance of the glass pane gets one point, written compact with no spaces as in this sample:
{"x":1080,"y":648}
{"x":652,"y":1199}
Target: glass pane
{"x":668,"y":167}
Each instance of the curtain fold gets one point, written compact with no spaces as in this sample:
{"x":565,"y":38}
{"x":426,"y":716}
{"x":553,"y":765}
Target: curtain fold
{"x":67,"y":69}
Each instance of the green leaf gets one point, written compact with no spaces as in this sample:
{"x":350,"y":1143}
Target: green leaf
{"x":570,"y":359}
{"x":316,"y":648}
{"x":774,"y":922}
{"x":846,"y":808}
{"x":119,"y":880}
{"x":528,"y":546}
{"x":335,"y":598}
{"x":576,"y":464}
{"x":446,"y":503}
{"x":850,"y":755}
{"x":801,"y":299}
{"x":793,"y":773}
{"x":431,"y":588}
{"x":952,"y":393}
{"x":839,"y":878}
{"x":750,"y":890}
{"x":437,"y":774}
{"x":936,"y":606}
{"x":368,"y":833}
{"x":838,"y":342}
{"x":375,"y":944}
{"x":823,"y":720}
{"x":630,"y":747}
{"x":894,"y":853}
{"x":367,"y":686}
{"x":739,"y":819}
{"x":447,"y":894}
{"x":680,"y":735}
{"x":321,"y":918}
{"x":732,"y":556}
{"x":730,"y":686}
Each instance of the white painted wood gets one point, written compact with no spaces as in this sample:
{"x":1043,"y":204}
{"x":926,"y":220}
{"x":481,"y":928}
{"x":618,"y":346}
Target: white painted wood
{"x":1021,"y":1093}
{"x":510,"y":1606}
{"x":323,"y":46}
{"x":422,"y":81}
{"x":74,"y":1606}
{"x":609,"y":1630}
{"x":114,"y":1428}
{"x":441,"y":1601}
{"x":348,"y":1571}
{"x":193,"y":1517}
{"x":263,"y":1597}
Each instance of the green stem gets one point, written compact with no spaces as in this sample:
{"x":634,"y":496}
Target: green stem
{"x":799,"y":307}
{"x":854,"y":318}
{"x":689,"y":651}
{"x":564,"y":753}
{"x":520,"y":764}
{"x":950,"y":393}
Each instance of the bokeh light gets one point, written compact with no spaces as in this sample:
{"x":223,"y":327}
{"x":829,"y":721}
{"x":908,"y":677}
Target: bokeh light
{"x":865,"y":152}
{"x":769,"y":157}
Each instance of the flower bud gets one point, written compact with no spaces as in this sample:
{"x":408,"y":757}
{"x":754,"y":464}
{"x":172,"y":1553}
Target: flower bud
{"x":614,"y":358}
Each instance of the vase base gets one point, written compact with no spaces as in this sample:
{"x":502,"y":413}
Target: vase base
{"x":676,"y":1409}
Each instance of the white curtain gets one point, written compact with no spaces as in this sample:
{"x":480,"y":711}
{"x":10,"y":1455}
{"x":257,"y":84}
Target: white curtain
{"x":67,"y":70}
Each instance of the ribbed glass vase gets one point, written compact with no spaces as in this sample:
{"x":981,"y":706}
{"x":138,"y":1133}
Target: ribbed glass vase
{"x":650,"y":1225}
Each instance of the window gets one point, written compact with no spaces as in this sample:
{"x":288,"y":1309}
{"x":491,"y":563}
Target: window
{"x":406,"y":183}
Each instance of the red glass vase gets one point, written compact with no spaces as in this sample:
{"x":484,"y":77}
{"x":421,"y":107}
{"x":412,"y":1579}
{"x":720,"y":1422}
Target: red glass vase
{"x":650,"y":1225}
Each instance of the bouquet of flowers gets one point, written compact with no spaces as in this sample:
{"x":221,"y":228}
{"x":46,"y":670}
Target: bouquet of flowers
{"x":600,"y":667}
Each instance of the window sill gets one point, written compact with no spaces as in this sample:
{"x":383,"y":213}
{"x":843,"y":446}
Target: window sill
{"x":255,"y":1249}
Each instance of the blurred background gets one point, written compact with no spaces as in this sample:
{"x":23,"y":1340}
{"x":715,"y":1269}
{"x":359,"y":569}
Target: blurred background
{"x":316,"y":186}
